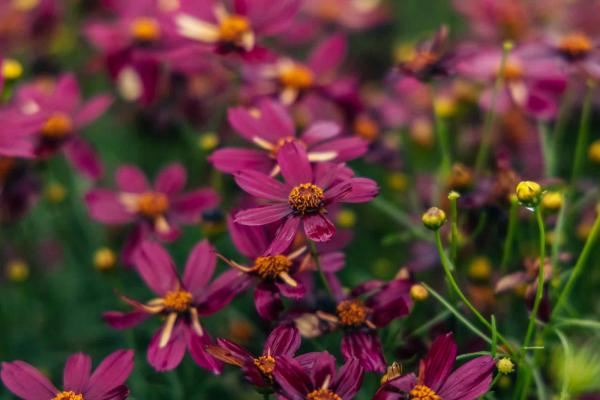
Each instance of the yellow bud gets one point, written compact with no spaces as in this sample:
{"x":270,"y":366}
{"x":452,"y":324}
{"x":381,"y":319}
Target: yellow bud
{"x":480,"y":268}
{"x":17,"y":271}
{"x":11,"y":69}
{"x":434,"y":218}
{"x":594,"y":152}
{"x":397,"y":181}
{"x":55,"y":192}
{"x":418,"y":292}
{"x":552,"y":201}
{"x":453,"y":195}
{"x":505,"y":366}
{"x":208,"y":141}
{"x":346,"y":218}
{"x":444,"y":106}
{"x":504,"y":382}
{"x":104,"y":259}
{"x":528,"y":193}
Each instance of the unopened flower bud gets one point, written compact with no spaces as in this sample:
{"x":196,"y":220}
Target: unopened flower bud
{"x":346,"y":218}
{"x":55,"y":193}
{"x":17,"y":271}
{"x":505,"y":366}
{"x":104,"y":259}
{"x":11,"y":69}
{"x":552,"y":201}
{"x":208,"y":141}
{"x":594,"y":152}
{"x":434,"y":218}
{"x":528,"y":193}
{"x":418,"y":292}
{"x":480,"y":268}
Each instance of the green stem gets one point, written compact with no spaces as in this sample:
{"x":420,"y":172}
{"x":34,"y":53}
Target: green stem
{"x":559,"y":129}
{"x":315,"y":255}
{"x":496,"y":379}
{"x":581,"y":261}
{"x":441,"y":128}
{"x":453,"y":197}
{"x":559,"y":230}
{"x":583,"y":133}
{"x":508,"y":241}
{"x":490,"y":118}
{"x":547,"y":155}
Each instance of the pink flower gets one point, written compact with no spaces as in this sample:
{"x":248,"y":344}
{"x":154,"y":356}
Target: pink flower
{"x":79,"y":383}
{"x":54,"y":112}
{"x":181,"y":301}
{"x":157,"y":209}
{"x":270,"y":127}
{"x":304,"y":197}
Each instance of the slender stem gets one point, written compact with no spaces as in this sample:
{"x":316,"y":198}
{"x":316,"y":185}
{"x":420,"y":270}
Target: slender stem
{"x":441,"y":127}
{"x":400,"y":217}
{"x":486,"y":138}
{"x":583,"y":133}
{"x":581,"y":261}
{"x":559,"y":128}
{"x":547,"y":155}
{"x":315,"y":255}
{"x":496,"y":379}
{"x":559,"y":230}
{"x":453,"y":197}
{"x":540,"y":280}
{"x":508,"y":241}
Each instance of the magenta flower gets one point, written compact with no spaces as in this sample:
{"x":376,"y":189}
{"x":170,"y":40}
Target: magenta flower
{"x":316,"y":377}
{"x":270,"y":127}
{"x":349,"y":14}
{"x":238,"y":29}
{"x":284,"y":340}
{"x":157,"y":209}
{"x":181,"y":301}
{"x":370,"y":306}
{"x":304,"y":197}
{"x":436,"y":380}
{"x":79,"y":383}
{"x":54,"y":112}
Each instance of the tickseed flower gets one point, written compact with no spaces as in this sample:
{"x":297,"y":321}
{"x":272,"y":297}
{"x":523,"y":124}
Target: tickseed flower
{"x":157,"y":209}
{"x":528,"y":193}
{"x":505,"y":366}
{"x":79,"y":382}
{"x":284,"y":340}
{"x":269,"y":127}
{"x":304,"y":197}
{"x":552,"y":201}
{"x":594,"y":152}
{"x":180,"y":301}
{"x":104,"y":259}
{"x":434,"y":218}
{"x":315,"y":377}
{"x":436,"y":381}
{"x":368,"y":307}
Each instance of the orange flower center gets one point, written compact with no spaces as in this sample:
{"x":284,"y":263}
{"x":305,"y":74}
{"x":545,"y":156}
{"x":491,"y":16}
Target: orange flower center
{"x":513,"y":71}
{"x":152,"y":204}
{"x":575,"y":45}
{"x":422,"y":392}
{"x":323,"y":394}
{"x":296,"y":76}
{"x":272,"y":266}
{"x":421,"y":60}
{"x":306,"y":198}
{"x":57,"y":126}
{"x":145,"y":29}
{"x":352,"y":312}
{"x":366,"y":128}
{"x":68,"y":396}
{"x":266,"y":364}
{"x":233,"y":27}
{"x":178,"y":300}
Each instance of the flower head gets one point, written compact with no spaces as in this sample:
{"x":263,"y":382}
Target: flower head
{"x":529,"y":193}
{"x":434,"y":218}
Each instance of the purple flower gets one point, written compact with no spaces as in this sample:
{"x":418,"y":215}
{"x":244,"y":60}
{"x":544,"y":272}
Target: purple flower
{"x":270,"y":127}
{"x":55,"y":113}
{"x":79,"y":383}
{"x":368,"y":307}
{"x":181,"y":301}
{"x":304,"y":197}
{"x":316,"y":378}
{"x":430,"y":59}
{"x":284,"y":340}
{"x":158,"y":209}
{"x":436,"y":380}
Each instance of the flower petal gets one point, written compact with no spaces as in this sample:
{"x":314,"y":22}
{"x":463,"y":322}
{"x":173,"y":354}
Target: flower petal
{"x":104,"y":206}
{"x":439,"y":361}
{"x":187,"y":208}
{"x":262,"y":215}
{"x":131,"y":179}
{"x":119,"y":320}
{"x":156,"y":267}
{"x":349,"y":379}
{"x":276,"y":119}
{"x":168,"y":357}
{"x":366,"y":348}
{"x":112,"y":372}
{"x":199,"y":267}
{"x":83,"y":157}
{"x":294,"y":164}
{"x":232,"y":160}
{"x":222,"y":290}
{"x":284,"y":236}
{"x":91,"y":110}
{"x":320,"y":131}
{"x":197,"y":346}
{"x":318,"y":227}
{"x":171,"y":179}
{"x":328,"y":55}
{"x":470,"y":381}
{"x":26,"y":382}
{"x":262,"y":186}
{"x":267,"y":301}
{"x":292,"y":378}
{"x":76,"y":374}
{"x":284,"y":340}
{"x":251,"y":241}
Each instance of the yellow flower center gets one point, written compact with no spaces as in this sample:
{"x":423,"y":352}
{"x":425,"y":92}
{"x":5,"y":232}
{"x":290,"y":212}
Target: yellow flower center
{"x":296,"y":76}
{"x":575,"y":45}
{"x":422,"y":392}
{"x":153,"y":204}
{"x":352,"y":312}
{"x":306,"y":198}
{"x":421,"y":60}
{"x":513,"y":71}
{"x":266,"y":365}
{"x":272,"y":266}
{"x":366,"y":128}
{"x":11,"y":69}
{"x":145,"y":29}
{"x":323,"y":394}
{"x":178,"y":300}
{"x":57,"y":126}
{"x":68,"y":396}
{"x":233,"y":27}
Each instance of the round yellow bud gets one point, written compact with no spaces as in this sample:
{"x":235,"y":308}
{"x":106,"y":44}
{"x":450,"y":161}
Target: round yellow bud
{"x":104,"y":259}
{"x":17,"y":271}
{"x":505,"y":366}
{"x":480,"y":268}
{"x":528,"y":193}
{"x":55,"y":192}
{"x":11,"y":69}
{"x":418,"y":292}
{"x":397,"y":181}
{"x":594,"y":152}
{"x":552,"y":201}
{"x":346,"y":218}
{"x":434,"y":218}
{"x":444,"y":106}
{"x":208,"y":141}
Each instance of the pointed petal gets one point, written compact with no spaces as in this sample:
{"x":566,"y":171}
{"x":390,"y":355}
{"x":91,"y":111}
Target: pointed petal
{"x":292,"y":378}
{"x":76,"y":374}
{"x":470,"y":381}
{"x":104,"y":206}
{"x":197,"y":345}
{"x":262,"y":186}
{"x":199,"y":267}
{"x":112,"y":372}
{"x":131,"y":179}
{"x":294,"y":164}
{"x":169,"y":356}
{"x":249,"y":240}
{"x":320,"y":131}
{"x":267,"y":301}
{"x":349,"y":379}
{"x":439,"y":361}
{"x":156,"y":268}
{"x":119,"y":320}
{"x":262,"y":215}
{"x":284,"y":236}
{"x":83,"y":157}
{"x":232,"y":160}
{"x":26,"y":382}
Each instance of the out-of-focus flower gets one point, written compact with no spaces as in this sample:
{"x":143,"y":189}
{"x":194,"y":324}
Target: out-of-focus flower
{"x":552,"y":201}
{"x":315,"y":377}
{"x":55,"y":113}
{"x":79,"y":382}
{"x":158,"y":209}
{"x":430,"y":58}
{"x":436,"y":379}
{"x":480,"y":268}
{"x":580,"y":368}
{"x":418,"y":292}
{"x":594,"y":152}
{"x":17,"y":270}
{"x":11,"y":69}
{"x":528,"y":193}
{"x":270,"y":127}
{"x":104,"y":259}
{"x":55,"y":192}
{"x":284,"y":340}
{"x":505,"y":366}
{"x":181,"y":301}
{"x":304,"y":198}
{"x":350,"y":14}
